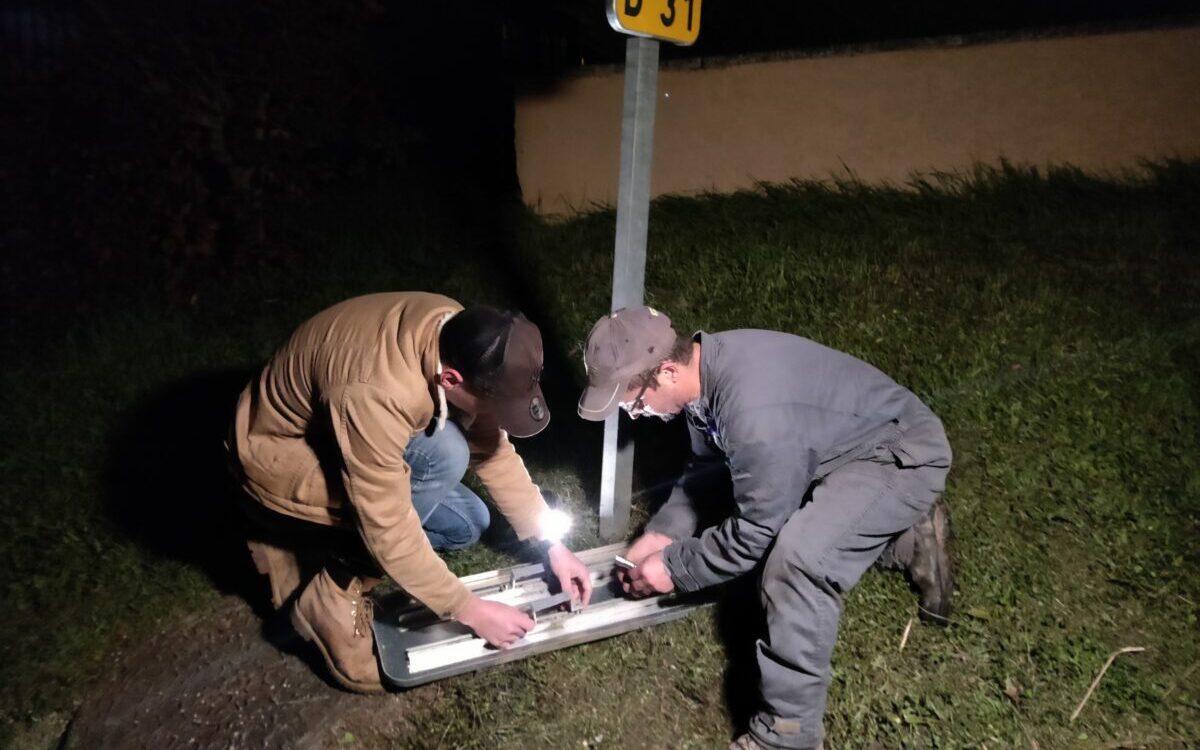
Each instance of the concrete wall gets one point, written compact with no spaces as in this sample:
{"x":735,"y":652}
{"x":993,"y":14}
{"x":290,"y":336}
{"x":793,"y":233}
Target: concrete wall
{"x":1099,"y":102}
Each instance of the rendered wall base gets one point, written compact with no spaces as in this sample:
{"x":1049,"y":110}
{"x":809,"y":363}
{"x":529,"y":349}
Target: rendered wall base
{"x":1100,"y":102}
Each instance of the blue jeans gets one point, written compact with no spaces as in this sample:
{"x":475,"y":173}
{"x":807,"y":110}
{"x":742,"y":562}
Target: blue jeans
{"x":452,"y":515}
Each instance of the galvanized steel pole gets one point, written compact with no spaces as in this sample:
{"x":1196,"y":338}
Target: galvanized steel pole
{"x":629,"y":262}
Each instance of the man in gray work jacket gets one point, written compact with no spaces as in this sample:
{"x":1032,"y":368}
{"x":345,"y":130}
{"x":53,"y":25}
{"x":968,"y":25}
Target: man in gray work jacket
{"x":833,"y":467}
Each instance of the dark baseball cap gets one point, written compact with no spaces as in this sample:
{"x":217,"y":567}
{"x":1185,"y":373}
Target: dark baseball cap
{"x":517,"y":398}
{"x":622,"y":345}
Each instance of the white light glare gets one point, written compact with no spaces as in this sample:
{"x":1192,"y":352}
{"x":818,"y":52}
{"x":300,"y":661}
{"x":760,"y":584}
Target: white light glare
{"x":555,"y":525}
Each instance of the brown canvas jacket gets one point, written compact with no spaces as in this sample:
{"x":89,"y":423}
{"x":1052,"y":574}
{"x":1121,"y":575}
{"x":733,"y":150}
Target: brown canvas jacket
{"x":321,"y":432}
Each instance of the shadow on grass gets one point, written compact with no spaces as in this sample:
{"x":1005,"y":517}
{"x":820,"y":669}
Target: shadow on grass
{"x":739,"y":616}
{"x":1187,"y":356}
{"x":740,"y":623}
{"x":169,"y":487}
{"x":568,"y":440}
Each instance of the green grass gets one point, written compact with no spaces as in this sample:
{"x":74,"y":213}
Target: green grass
{"x":1052,"y":320}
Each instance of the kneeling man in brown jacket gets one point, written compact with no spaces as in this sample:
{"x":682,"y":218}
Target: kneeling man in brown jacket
{"x":351,"y":444}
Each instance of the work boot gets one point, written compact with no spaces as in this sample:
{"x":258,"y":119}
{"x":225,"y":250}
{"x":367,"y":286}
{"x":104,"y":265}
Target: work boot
{"x":338,"y":621}
{"x":281,"y":568}
{"x":749,"y":742}
{"x":931,"y":569}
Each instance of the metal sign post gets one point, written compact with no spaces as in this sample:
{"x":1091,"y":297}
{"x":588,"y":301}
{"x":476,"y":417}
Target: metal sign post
{"x":646,"y":21}
{"x":629,"y":262}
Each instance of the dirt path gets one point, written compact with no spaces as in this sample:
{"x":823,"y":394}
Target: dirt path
{"x":215,"y":681}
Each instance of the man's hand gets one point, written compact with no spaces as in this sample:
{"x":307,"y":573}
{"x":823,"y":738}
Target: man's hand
{"x":496,"y":623}
{"x":572,"y":574}
{"x":648,"y":578}
{"x":647,"y":544}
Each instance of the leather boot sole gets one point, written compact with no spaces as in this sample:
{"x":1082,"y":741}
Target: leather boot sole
{"x":932,"y":569}
{"x":307,"y":632}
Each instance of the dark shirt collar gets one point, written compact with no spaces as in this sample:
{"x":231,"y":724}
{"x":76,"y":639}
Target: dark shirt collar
{"x":709,"y":346}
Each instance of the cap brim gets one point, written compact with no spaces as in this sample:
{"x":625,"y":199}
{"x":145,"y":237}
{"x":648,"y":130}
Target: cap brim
{"x":598,"y":402}
{"x":523,"y":416}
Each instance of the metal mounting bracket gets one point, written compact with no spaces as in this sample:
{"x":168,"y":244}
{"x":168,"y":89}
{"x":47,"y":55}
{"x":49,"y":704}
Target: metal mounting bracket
{"x":415,"y":646}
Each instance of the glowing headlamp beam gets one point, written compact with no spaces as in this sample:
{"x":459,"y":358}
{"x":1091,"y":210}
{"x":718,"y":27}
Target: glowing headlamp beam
{"x":554,"y":524}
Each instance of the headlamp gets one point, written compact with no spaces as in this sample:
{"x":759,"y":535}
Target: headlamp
{"x":554,"y":525}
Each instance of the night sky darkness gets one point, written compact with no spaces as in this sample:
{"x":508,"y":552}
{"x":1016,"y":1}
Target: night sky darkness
{"x":191,"y":125}
{"x":578,"y":29}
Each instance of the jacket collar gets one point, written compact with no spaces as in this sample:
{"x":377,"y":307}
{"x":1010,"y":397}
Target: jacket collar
{"x":709,"y":349}
{"x":431,"y":368}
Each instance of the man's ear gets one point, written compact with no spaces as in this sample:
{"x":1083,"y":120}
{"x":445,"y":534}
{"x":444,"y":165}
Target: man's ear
{"x":670,"y":369}
{"x":450,"y":378}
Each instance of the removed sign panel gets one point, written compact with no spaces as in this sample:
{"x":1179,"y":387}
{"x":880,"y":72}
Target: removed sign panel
{"x":415,"y":646}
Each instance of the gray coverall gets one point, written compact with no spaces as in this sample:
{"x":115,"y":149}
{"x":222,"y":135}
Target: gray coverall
{"x":785,"y":415}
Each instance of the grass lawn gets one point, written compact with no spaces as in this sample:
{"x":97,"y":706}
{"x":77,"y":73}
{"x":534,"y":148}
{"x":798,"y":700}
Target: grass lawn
{"x":1051,"y":319}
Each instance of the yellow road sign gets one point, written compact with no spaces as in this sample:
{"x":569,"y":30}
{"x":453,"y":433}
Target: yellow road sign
{"x":675,"y":21}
